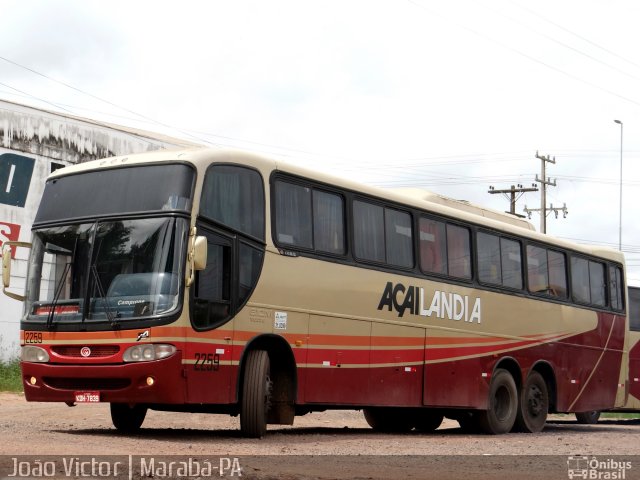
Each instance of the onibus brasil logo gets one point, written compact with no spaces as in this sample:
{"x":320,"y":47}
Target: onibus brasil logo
{"x":593,"y":468}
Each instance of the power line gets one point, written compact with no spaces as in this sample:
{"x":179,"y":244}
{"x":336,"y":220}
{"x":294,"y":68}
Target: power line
{"x":527,"y":56}
{"x":610,"y":52}
{"x":33,"y":96}
{"x":94,"y":97}
{"x":569,"y":47}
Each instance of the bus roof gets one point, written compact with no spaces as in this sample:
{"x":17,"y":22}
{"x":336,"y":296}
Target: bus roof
{"x":420,"y":199}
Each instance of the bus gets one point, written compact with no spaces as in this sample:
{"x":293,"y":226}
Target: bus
{"x":220,"y":281}
{"x":632,"y":404}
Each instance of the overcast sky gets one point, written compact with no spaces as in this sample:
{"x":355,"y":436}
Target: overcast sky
{"x":451,"y":96}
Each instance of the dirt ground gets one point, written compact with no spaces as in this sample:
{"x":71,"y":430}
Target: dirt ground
{"x":333,"y":444}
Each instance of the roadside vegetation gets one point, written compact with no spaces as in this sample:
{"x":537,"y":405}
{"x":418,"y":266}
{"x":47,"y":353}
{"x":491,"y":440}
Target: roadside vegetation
{"x":10,"y":377}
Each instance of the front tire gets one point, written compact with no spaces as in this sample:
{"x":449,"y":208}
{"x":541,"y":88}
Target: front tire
{"x":256,"y":395}
{"x":127,"y":418}
{"x":503,"y":404}
{"x":533,"y":405}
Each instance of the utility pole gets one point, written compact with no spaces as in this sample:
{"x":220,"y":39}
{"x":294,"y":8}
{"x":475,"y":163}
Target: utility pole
{"x":512,"y":195}
{"x":543,"y":180}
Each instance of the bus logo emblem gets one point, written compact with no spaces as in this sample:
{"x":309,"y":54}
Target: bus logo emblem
{"x":85,"y":351}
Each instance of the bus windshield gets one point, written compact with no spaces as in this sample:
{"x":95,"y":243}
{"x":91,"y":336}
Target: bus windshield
{"x":105,"y":271}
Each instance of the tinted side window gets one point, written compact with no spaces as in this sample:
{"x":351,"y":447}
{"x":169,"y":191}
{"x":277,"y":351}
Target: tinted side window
{"x":368,"y":231}
{"x":597,"y":284}
{"x":433,"y":246}
{"x":615,"y":288}
{"x":580,"y":280}
{"x":511,"y":263}
{"x":537,"y":269}
{"x":328,"y":222}
{"x":293,"y":214}
{"x":211,"y":303}
{"x":234,"y":197}
{"x":459,"y":251}
{"x":399,"y":238}
{"x":557,"y":273}
{"x":634,"y":309}
{"x":546,"y":271}
{"x":588,"y":281}
{"x":489,"y":269}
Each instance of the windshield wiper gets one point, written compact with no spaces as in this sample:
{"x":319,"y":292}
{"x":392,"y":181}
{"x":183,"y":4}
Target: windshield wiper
{"x":105,"y":302}
{"x":56,"y":296}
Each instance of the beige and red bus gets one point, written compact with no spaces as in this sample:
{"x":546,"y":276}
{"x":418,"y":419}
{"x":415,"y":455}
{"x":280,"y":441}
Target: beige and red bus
{"x":632,"y":405}
{"x":224,"y":282}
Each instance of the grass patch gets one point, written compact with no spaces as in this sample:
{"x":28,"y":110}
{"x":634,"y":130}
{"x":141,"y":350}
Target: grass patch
{"x":10,"y":376}
{"x":619,"y":415}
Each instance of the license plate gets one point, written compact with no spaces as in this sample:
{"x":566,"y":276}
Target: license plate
{"x":87,"y":397}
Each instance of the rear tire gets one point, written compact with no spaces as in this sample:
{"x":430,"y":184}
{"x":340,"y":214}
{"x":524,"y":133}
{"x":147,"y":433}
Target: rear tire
{"x":533,"y":406}
{"x":127,"y":418}
{"x":256,"y":394}
{"x":389,"y":419}
{"x":503,"y":404}
{"x":588,"y":418}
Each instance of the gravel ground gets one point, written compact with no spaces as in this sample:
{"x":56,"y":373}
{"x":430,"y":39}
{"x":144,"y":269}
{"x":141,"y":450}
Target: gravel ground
{"x":334,"y":444}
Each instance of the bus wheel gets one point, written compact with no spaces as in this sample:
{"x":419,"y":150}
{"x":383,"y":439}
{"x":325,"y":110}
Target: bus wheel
{"x":534,"y":404}
{"x":397,"y":420}
{"x":428,"y":420}
{"x":126,"y":418}
{"x":256,"y":394}
{"x":588,"y":418}
{"x":503,"y":404}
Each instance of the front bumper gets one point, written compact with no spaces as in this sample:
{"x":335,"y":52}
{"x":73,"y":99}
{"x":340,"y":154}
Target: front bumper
{"x":121,"y":383}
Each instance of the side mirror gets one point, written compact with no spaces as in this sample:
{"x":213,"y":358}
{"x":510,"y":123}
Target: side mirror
{"x":6,"y":267}
{"x":200,"y":253}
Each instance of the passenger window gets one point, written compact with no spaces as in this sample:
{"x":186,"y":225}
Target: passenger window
{"x":597,"y":284}
{"x":328,"y":222}
{"x":433,"y":246}
{"x":557,"y":273}
{"x":511,"y":256}
{"x":293,"y":214}
{"x":459,"y":251}
{"x":399,"y":238}
{"x":615,"y":288}
{"x":588,"y":281}
{"x":308,"y":218}
{"x":368,"y":231}
{"x":580,"y":280}
{"x":489,"y":269}
{"x":537,"y":269}
{"x":634,"y":309}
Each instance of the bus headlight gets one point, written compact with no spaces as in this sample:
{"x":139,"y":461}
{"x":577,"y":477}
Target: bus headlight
{"x":30,"y":353}
{"x":148,"y":352}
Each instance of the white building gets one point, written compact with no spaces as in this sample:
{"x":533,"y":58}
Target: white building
{"x":33,"y":143}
